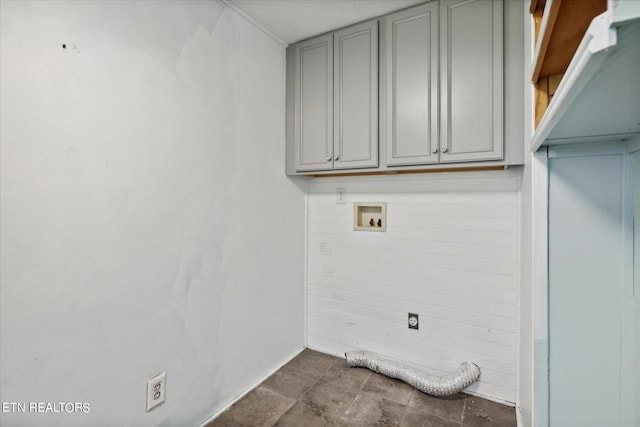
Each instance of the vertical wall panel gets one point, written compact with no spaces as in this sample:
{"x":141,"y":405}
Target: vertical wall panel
{"x":591,"y":295}
{"x":450,"y":256}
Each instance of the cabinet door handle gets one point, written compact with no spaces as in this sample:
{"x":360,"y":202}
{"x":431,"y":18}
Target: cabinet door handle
{"x":328,"y":159}
{"x":337,"y":158}
{"x":444,"y":148}
{"x":434,"y":150}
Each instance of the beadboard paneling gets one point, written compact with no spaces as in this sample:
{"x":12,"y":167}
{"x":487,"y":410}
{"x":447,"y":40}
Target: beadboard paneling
{"x":450,"y":254}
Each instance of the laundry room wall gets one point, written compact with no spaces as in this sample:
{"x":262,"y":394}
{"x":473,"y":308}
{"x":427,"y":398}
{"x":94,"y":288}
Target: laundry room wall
{"x":450,"y":253}
{"x":147,"y":224}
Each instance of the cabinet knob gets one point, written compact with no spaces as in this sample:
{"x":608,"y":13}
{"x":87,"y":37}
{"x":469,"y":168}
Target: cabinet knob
{"x":337,"y":158}
{"x":444,"y":148}
{"x":434,"y":150}
{"x":328,"y":159}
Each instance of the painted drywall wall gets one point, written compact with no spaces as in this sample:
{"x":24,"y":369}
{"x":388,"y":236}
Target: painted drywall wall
{"x":146,"y":221}
{"x":450,"y":254}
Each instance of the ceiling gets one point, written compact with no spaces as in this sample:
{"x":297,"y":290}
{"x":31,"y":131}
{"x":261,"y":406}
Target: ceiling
{"x":293,"y":20}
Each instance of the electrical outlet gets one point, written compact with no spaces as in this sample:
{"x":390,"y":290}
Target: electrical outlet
{"x":413,"y":321}
{"x":324,"y":248}
{"x":156,"y":390}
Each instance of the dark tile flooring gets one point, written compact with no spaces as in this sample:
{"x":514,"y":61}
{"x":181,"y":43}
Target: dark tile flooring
{"x":316,"y":389}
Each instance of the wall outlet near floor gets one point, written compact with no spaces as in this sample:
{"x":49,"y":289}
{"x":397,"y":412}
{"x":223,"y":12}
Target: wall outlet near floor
{"x":156,"y":390}
{"x":413,"y":321}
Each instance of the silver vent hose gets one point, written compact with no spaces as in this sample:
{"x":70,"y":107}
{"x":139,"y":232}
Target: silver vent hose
{"x":446,"y":385}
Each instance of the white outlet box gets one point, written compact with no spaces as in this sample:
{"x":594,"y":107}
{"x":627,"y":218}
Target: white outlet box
{"x":370,"y":216}
{"x":325,"y":249}
{"x":156,"y":390}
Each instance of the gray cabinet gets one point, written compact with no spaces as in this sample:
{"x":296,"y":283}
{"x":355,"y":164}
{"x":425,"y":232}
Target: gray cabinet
{"x":451,"y":92}
{"x":336,"y":100}
{"x":412,"y":92}
{"x":471,"y":76}
{"x":443,"y":83}
{"x":355,"y":108}
{"x":314,"y":103}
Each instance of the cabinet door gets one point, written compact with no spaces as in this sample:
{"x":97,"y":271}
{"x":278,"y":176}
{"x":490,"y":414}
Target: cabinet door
{"x":411,"y":84}
{"x":356,"y":96}
{"x":313,"y":120}
{"x":471,"y":78}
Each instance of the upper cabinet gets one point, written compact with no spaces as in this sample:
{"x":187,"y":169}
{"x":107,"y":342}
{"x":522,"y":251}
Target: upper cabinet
{"x":411,"y":68}
{"x":314,"y":104}
{"x":443,"y":74}
{"x":450,"y":91}
{"x":355,"y":91}
{"x":336,"y":100}
{"x":471,"y":78}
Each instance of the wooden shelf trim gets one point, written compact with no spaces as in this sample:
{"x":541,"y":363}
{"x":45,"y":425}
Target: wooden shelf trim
{"x":560,"y":26}
{"x":536,"y":5}
{"x":591,"y":53}
{"x":563,"y":25}
{"x":549,"y":17}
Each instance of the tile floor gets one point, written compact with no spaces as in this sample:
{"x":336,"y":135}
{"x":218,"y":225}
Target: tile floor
{"x":316,"y":389}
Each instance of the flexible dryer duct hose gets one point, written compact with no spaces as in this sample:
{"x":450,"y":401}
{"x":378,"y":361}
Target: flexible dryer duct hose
{"x":446,"y":385}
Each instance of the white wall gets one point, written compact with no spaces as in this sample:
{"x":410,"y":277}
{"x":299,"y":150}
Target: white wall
{"x":524,"y":396}
{"x":450,"y":253}
{"x":591,"y":295}
{"x":525,"y":305}
{"x":146,"y":221}
{"x":635,"y":321}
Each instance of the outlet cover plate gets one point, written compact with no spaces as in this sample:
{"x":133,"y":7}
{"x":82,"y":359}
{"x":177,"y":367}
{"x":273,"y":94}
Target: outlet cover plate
{"x":156,"y":390}
{"x":413,"y":321}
